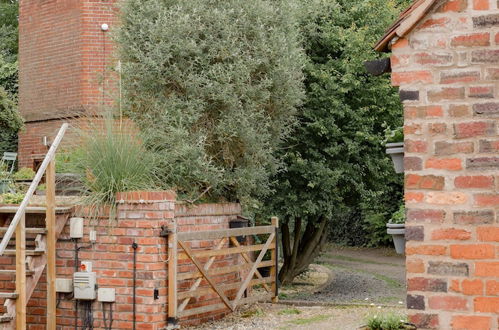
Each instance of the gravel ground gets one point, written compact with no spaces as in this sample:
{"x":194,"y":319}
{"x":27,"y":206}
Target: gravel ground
{"x":268,"y":316}
{"x":371,"y":277}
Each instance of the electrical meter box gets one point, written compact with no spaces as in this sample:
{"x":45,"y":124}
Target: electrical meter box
{"x":84,"y":285}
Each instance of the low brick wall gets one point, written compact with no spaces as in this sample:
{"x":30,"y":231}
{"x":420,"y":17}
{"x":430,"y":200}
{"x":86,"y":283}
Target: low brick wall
{"x":139,"y":218}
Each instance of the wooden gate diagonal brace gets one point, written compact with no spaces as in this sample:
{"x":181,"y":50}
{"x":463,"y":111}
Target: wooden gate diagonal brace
{"x":248,"y":260}
{"x":196,"y":284}
{"x":205,"y":274}
{"x":252,"y":271}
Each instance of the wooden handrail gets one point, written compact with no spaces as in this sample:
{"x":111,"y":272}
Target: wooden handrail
{"x":36,"y":181}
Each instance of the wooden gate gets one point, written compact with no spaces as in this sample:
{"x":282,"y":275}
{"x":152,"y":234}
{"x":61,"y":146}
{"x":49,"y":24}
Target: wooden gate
{"x":180,"y":251}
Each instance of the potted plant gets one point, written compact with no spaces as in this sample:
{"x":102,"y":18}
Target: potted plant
{"x":395,"y":148}
{"x":396,"y":228}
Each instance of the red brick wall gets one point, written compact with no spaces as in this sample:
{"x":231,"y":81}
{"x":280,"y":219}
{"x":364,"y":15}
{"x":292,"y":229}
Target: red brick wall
{"x":452,"y":170}
{"x":65,"y":64}
{"x":139,"y":218}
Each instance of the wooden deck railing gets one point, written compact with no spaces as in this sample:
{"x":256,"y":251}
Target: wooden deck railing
{"x":17,"y":226}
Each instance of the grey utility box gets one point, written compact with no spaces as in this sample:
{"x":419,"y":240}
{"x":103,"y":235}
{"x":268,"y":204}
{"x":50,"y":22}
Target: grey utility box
{"x":84,"y":285}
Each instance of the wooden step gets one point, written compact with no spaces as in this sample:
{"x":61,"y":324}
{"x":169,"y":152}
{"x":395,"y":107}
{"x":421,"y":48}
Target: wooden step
{"x":28,"y":253}
{"x":8,"y":295}
{"x":13,"y":272}
{"x":5,"y":318}
{"x":35,"y":209}
{"x":40,"y":231}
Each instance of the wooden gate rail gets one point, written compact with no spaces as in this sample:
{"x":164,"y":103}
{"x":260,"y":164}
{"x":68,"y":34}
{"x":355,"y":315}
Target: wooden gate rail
{"x":204,"y":272}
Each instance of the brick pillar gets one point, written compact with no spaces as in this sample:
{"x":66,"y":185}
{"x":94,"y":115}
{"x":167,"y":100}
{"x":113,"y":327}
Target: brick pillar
{"x":447,"y":72}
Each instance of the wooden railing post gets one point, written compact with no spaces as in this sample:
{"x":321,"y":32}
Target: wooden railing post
{"x":21,"y":274}
{"x":172,"y":274}
{"x":273,"y":257}
{"x":51,"y":246}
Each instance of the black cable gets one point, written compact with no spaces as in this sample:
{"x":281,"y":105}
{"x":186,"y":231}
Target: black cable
{"x":76,"y":269}
{"x":134,"y":247}
{"x":110,"y":316}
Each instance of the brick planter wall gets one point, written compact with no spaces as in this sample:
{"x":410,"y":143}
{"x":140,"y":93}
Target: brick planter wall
{"x":139,"y":218}
{"x":447,"y":70}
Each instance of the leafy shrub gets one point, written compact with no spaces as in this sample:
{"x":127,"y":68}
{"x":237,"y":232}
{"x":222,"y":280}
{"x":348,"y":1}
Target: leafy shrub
{"x":10,"y":122}
{"x":24,"y":173}
{"x":214,"y":86}
{"x":396,"y":135}
{"x":399,"y":215}
{"x":11,"y":198}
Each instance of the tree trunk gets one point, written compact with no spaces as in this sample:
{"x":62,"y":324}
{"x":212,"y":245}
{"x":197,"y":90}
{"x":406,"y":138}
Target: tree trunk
{"x":305,"y":247}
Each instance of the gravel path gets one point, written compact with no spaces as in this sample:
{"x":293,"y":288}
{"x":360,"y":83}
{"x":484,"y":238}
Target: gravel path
{"x":360,"y":276}
{"x":268,"y":316}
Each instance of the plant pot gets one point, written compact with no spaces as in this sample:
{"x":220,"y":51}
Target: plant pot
{"x":397,"y":230}
{"x":396,"y":151}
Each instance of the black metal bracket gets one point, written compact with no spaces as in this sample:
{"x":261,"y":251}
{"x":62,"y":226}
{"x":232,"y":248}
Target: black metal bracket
{"x":165,"y":232}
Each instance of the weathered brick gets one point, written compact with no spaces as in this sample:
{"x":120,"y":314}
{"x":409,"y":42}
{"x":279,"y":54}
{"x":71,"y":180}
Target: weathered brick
{"x":413,"y":163}
{"x":448,"y":303}
{"x":459,"y":110}
{"x":471,"y":40}
{"x":492,"y":288}
{"x":474,"y":181}
{"x":425,"y":321}
{"x":414,"y":112}
{"x":423,"y":216}
{"x":474,"y":129}
{"x":446,"y":93}
{"x":415,"y":129}
{"x":450,"y":234}
{"x":415,"y":302}
{"x":490,"y":109}
{"x":450,"y":164}
{"x":472,"y":251}
{"x":488,"y":234}
{"x":415,"y":146}
{"x":408,"y":95}
{"x":487,"y":269}
{"x":426,"y":284}
{"x":448,"y":268}
{"x":437,"y":128}
{"x":488,"y":146}
{"x":446,"y":198}
{"x":482,"y":163}
{"x":474,"y":217}
{"x":432,"y":182}
{"x":411,"y":77}
{"x":414,"y":233}
{"x":486,"y":304}
{"x":471,"y":322}
{"x":481,"y":92}
{"x":413,"y":197}
{"x":492,"y":73}
{"x":459,"y":76}
{"x":485,"y":56}
{"x":415,"y":266}
{"x":481,"y":4}
{"x":434,"y":23}
{"x":486,"y":21}
{"x":486,"y":200}
{"x":432,"y":250}
{"x":444,"y":148}
{"x":453,"y":6}
{"x":434,"y":58}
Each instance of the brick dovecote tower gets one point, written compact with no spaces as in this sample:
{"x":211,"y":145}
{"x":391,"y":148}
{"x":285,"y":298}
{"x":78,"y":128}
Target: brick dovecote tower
{"x":445,"y":60}
{"x":65,"y":59}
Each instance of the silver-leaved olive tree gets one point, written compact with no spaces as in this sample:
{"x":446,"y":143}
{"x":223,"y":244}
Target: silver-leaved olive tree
{"x":214,"y":85}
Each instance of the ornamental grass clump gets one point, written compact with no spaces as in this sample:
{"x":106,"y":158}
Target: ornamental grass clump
{"x":389,"y":321}
{"x":112,"y":159}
